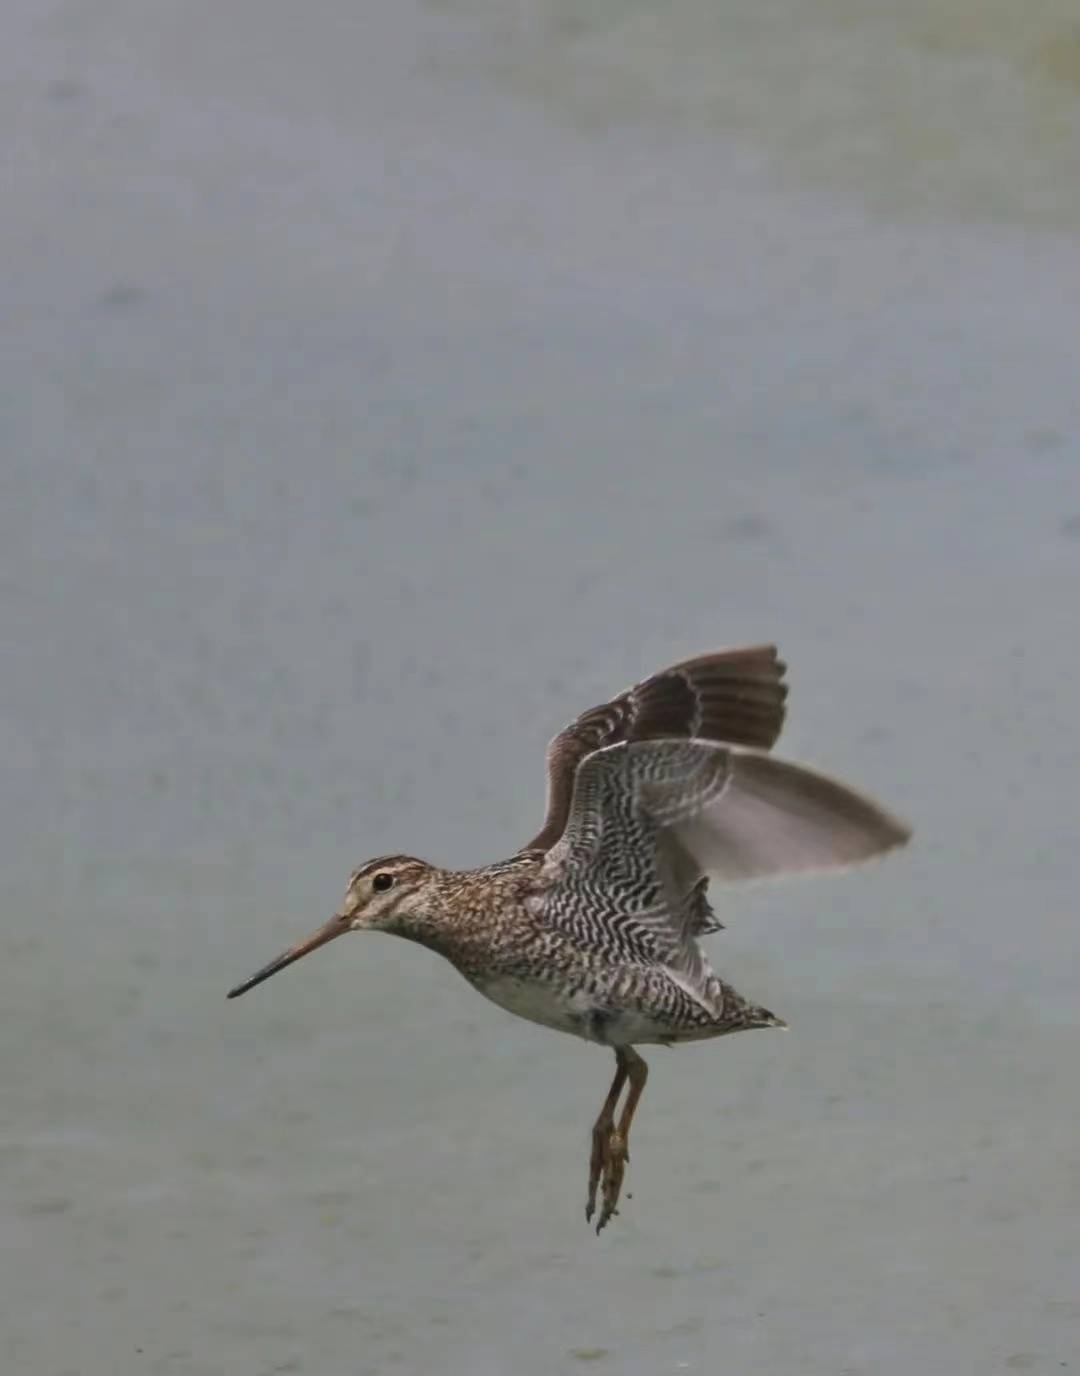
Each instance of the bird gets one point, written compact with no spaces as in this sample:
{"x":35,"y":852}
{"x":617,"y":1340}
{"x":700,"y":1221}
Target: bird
{"x":594,"y":926}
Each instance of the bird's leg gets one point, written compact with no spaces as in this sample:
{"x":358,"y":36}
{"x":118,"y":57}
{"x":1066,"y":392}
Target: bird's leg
{"x":601,"y":1132}
{"x":616,"y":1152}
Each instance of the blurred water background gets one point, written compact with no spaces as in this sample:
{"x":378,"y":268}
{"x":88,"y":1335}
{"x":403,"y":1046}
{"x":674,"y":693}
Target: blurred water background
{"x":384,"y":383}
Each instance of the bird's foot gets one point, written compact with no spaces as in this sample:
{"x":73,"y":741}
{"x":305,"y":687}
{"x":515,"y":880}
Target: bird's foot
{"x":596,"y":1166}
{"x":607,"y":1165}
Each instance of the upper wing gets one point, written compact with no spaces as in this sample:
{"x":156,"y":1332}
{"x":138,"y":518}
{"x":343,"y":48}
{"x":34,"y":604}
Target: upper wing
{"x":733,"y":696}
{"x":649,"y":819}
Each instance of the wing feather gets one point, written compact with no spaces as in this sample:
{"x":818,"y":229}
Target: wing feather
{"x":732,"y":696}
{"x":775,"y":818}
{"x":650,"y":821}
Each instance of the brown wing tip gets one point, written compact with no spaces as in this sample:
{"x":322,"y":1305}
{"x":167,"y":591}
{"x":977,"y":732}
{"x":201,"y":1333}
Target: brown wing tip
{"x":761,"y":662}
{"x":734,"y":695}
{"x":741,"y":693}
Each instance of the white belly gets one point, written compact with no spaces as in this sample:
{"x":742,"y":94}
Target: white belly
{"x":541,"y":1003}
{"x":581,"y":1014}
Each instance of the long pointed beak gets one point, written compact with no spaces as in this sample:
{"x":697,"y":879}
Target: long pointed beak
{"x":337,"y":926}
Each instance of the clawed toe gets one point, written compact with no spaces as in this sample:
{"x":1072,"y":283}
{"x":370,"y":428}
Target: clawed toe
{"x":604,"y":1174}
{"x":616,"y":1157}
{"x":596,"y":1170}
{"x":607,"y":1166}
{"x":610,"y":1153}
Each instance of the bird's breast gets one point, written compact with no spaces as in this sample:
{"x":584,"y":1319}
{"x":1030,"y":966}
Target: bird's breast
{"x":583,"y":1010}
{"x":576,"y":1009}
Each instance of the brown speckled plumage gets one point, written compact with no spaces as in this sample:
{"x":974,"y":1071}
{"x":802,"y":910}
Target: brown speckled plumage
{"x":593,"y":927}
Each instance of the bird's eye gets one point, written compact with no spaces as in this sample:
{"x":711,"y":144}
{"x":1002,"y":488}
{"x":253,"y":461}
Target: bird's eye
{"x":382,"y":882}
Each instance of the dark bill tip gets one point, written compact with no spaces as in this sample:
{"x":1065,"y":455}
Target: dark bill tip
{"x":264,"y":973}
{"x":337,"y":926}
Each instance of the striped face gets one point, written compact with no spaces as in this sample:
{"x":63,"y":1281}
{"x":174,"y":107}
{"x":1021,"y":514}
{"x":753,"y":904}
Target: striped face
{"x":379,"y":895}
{"x":380,"y":890}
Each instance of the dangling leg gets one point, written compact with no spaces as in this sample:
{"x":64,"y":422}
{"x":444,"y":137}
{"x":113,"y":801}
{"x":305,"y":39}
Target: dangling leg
{"x":601,"y":1132}
{"x":611,"y":1145}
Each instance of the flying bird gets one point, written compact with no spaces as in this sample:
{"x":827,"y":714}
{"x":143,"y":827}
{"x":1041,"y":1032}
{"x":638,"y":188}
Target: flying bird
{"x":594,"y":926}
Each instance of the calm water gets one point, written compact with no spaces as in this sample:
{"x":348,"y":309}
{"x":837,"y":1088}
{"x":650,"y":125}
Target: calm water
{"x":383,"y":384}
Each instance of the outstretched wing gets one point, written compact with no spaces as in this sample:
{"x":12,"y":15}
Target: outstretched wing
{"x":733,"y":696}
{"x":648,"y":820}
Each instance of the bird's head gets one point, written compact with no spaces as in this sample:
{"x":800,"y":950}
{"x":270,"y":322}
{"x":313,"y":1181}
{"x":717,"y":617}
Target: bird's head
{"x":382,"y":895}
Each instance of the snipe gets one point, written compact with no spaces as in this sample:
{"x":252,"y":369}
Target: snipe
{"x":592,"y":928}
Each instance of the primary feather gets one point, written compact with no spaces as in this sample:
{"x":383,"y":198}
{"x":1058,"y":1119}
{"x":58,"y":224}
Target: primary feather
{"x":734,"y":696}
